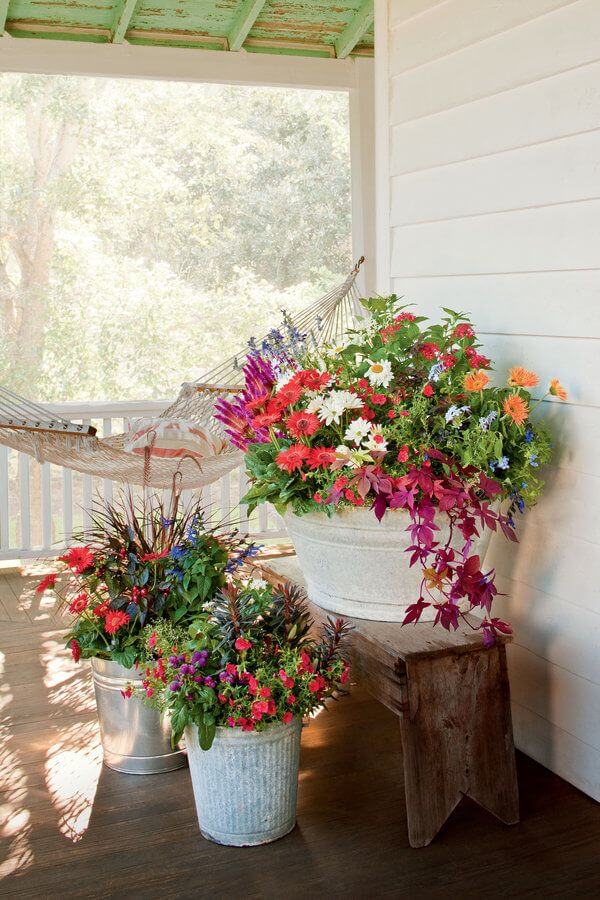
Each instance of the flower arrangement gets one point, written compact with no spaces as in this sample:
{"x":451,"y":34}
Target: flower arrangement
{"x":247,"y":662}
{"x":137,"y":566}
{"x":403,"y":416}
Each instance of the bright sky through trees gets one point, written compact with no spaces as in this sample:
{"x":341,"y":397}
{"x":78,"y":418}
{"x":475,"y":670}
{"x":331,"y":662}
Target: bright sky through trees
{"x":148,"y":228}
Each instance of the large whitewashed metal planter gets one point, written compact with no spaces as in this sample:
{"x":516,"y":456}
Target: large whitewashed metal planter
{"x":356,"y":566}
{"x":135,"y":738}
{"x":245,"y":786}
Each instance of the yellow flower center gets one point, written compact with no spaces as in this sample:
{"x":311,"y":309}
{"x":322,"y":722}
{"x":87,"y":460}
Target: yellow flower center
{"x":376,"y":368}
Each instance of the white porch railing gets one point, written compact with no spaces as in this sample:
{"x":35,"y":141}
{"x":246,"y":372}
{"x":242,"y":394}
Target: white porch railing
{"x":41,"y":505}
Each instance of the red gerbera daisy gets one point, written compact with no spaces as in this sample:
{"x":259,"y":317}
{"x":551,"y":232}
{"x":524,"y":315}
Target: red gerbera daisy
{"x":78,"y":559}
{"x":303,"y":424}
{"x":78,"y":605}
{"x":47,"y":583}
{"x":75,"y":650}
{"x":314,"y":380}
{"x":151,"y":557}
{"x":321,"y":457}
{"x":292,"y":458}
{"x":101,"y":610}
{"x":287,"y":395}
{"x":115,"y":619}
{"x":264,"y":420}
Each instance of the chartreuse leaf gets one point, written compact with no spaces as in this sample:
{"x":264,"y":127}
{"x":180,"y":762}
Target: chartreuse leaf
{"x":206,"y":732}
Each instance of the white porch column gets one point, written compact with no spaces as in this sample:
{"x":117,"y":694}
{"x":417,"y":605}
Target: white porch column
{"x":362,"y":152}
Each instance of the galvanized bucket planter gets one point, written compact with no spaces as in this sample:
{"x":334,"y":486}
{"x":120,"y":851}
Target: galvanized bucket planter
{"x":356,"y":566}
{"x":135,"y":738}
{"x":245,"y":786}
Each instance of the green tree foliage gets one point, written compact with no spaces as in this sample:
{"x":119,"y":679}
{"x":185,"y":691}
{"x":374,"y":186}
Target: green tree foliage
{"x":148,"y":228}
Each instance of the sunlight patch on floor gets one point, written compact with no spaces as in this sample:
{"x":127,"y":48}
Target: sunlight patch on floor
{"x":72,"y":770}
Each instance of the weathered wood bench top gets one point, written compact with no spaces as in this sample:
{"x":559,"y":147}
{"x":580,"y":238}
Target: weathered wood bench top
{"x":453,"y":700}
{"x":408,"y":642}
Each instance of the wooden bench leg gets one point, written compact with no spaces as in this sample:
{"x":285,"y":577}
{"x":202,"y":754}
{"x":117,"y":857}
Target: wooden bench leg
{"x":457,"y":740}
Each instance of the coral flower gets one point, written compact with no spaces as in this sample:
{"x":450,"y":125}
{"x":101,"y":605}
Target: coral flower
{"x":557,"y":390}
{"x":516,"y":409}
{"x":303,"y":424}
{"x":115,"y":619}
{"x":476,"y":381}
{"x":518,"y":376}
{"x":47,"y":583}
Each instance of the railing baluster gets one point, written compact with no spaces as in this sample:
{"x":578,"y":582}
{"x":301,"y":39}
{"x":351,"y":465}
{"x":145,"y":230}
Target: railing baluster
{"x":4,"y":524}
{"x":225,"y":513}
{"x":24,"y":501}
{"x":108,"y":485}
{"x":87,"y":495}
{"x":244,"y":522}
{"x":67,"y":497}
{"x":46,"y":485}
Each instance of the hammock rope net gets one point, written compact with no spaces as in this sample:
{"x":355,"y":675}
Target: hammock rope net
{"x":33,"y":429}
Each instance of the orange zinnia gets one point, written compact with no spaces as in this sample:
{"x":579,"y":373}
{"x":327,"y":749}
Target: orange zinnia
{"x":475,"y":381}
{"x":516,"y":409}
{"x":519,"y":376}
{"x":557,"y":390}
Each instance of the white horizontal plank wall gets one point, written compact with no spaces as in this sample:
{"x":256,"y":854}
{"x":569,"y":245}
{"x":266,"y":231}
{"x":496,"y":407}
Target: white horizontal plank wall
{"x":490,"y":197}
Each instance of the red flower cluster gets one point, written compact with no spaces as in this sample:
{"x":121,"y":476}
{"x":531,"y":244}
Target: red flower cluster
{"x":297,"y":455}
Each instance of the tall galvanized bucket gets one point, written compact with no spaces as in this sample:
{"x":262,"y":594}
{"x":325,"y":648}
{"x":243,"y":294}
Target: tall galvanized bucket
{"x":135,"y":738}
{"x":245,"y":786}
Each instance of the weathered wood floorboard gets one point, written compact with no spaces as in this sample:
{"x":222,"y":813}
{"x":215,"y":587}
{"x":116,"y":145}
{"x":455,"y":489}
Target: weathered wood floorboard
{"x":71,"y":828}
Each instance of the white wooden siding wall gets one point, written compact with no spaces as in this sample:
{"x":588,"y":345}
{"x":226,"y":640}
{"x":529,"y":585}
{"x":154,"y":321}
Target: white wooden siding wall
{"x":494,"y":207}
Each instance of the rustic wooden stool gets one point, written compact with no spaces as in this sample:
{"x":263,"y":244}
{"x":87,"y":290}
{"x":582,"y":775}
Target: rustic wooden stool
{"x":453,"y":700}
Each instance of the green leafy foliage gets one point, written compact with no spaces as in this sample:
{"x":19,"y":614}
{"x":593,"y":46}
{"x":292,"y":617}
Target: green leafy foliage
{"x":247,"y":662}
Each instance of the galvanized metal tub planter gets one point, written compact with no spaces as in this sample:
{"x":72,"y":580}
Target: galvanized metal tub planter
{"x":356,"y":566}
{"x":245,"y":786}
{"x":135,"y":738}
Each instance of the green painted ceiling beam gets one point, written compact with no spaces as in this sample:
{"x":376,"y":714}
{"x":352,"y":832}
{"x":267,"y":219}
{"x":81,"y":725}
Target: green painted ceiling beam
{"x":125,"y":13}
{"x":3,"y":14}
{"x":245,"y":19}
{"x":355,"y":30}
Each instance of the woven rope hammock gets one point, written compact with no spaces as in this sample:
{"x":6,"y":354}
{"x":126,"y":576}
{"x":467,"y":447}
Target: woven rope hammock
{"x":31,"y":429}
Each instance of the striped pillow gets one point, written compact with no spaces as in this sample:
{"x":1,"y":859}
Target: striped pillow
{"x":172,"y":439}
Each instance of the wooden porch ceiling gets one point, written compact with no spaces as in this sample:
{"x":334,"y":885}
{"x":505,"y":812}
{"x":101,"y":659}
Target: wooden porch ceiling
{"x":296,"y":28}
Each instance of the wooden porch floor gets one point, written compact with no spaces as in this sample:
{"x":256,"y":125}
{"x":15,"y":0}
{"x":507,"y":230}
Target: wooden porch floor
{"x":72,"y":828}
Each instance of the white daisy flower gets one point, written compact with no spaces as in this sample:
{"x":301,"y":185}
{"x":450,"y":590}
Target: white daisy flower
{"x":357,"y":430}
{"x":376,"y":440}
{"x":380,"y":373}
{"x":335,"y":404}
{"x":315,"y":402}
